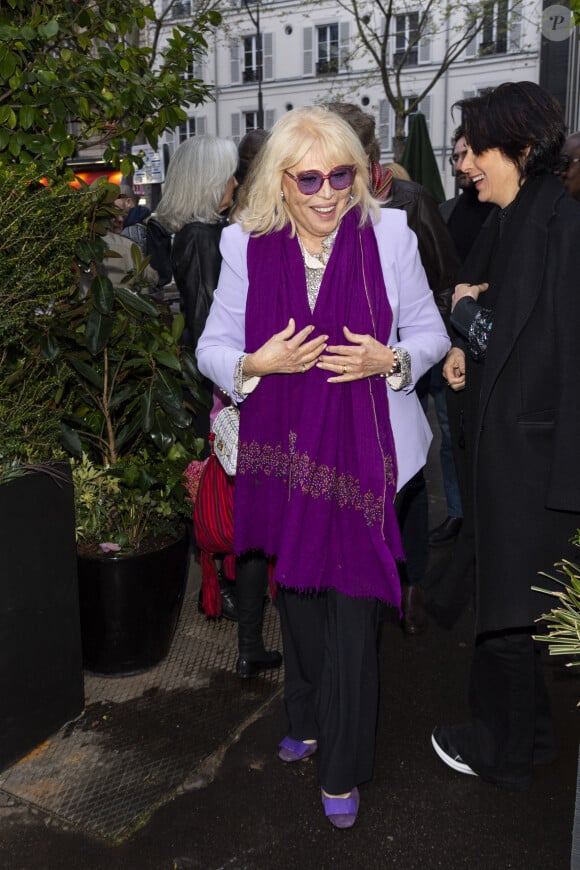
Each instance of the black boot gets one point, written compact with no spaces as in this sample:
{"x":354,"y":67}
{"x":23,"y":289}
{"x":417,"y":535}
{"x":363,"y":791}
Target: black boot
{"x":228,"y":594}
{"x":251,"y":583}
{"x":229,"y":602}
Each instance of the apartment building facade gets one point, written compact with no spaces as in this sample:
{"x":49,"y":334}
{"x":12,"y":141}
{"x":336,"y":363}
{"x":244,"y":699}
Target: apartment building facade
{"x":311,"y":53}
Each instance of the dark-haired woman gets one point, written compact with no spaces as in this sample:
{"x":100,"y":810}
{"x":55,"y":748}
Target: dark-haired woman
{"x":523,"y":419}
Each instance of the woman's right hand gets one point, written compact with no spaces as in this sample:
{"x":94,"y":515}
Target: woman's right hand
{"x":472,"y":290}
{"x":287,"y":352}
{"x":454,"y":369}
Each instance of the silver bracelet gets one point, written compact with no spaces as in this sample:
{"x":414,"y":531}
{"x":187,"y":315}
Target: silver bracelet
{"x":400,"y":374}
{"x":396,"y":367}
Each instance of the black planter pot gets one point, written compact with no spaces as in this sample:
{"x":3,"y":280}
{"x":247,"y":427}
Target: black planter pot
{"x":129,"y":608}
{"x":41,"y":672}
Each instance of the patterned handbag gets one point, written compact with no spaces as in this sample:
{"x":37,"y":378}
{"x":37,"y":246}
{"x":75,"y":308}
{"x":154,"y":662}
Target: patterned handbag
{"x":226,"y":428}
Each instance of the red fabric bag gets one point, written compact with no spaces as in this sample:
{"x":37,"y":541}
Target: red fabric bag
{"x":213,"y":528}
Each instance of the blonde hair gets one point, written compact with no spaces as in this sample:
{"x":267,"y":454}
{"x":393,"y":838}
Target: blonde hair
{"x":289,"y":141}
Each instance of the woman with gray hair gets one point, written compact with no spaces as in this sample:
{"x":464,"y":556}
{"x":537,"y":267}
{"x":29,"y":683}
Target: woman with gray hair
{"x":198,"y":192}
{"x":321,"y":323}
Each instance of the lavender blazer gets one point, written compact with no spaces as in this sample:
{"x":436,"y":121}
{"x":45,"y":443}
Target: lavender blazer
{"x":417,"y":326}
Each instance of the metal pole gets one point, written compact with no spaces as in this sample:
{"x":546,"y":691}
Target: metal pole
{"x":259,"y":60}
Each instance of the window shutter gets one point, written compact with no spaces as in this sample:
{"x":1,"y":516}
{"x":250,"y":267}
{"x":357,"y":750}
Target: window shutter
{"x":235,"y":61}
{"x":343,"y":46}
{"x":425,"y":43}
{"x":471,"y":47}
{"x":385,"y":125}
{"x":515,"y":30}
{"x":198,"y":68}
{"x":201,"y":125}
{"x":236,"y":128}
{"x":308,"y":52}
{"x":267,"y":56}
{"x":269,"y":118}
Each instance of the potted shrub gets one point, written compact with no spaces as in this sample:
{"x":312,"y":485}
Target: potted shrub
{"x":563,"y":621}
{"x":41,"y":672}
{"x":126,"y":394}
{"x":113,"y":384}
{"x":124,"y":92}
{"x":563,"y":637}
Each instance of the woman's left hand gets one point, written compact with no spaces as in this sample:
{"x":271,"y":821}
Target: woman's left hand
{"x":365,"y":356}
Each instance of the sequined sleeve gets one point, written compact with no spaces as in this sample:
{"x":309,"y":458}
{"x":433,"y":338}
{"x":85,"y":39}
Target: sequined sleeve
{"x":404,"y":377}
{"x":243,"y":386}
{"x":479,"y":333}
{"x":474,"y":323}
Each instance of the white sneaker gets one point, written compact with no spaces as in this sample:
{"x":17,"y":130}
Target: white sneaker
{"x":447,"y":753}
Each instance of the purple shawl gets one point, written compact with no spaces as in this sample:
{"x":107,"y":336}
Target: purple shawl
{"x":316,"y":472}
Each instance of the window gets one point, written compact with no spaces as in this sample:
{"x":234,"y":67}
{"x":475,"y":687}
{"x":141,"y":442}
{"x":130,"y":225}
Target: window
{"x":387,"y":119}
{"x":195,"y":69}
{"x":189,"y":128}
{"x":406,"y":39}
{"x":243,"y":122}
{"x":252,"y":62}
{"x":494,"y":29}
{"x":245,"y":59}
{"x":326,"y":49}
{"x":500,"y":31}
{"x":181,"y":9}
{"x":194,"y":126}
{"x":250,"y":121}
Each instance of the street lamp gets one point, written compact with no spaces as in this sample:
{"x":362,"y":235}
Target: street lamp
{"x":255,"y":19}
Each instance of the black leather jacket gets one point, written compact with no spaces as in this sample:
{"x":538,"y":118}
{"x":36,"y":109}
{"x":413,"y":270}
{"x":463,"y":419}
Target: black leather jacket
{"x":196,"y":262}
{"x":436,"y":247}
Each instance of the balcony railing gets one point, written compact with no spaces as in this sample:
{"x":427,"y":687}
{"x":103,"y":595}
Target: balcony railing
{"x":250,"y":75}
{"x":327,"y":67}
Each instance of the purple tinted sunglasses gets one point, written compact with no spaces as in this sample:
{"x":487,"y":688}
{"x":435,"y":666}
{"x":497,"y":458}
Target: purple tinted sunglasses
{"x":311,"y":181}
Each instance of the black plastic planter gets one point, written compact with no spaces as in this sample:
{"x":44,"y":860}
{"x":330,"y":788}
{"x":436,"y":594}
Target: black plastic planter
{"x":130,"y":606}
{"x":41,"y":673}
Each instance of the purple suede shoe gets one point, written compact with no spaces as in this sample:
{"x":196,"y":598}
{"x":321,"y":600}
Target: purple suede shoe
{"x":295,"y":750}
{"x":342,"y":812}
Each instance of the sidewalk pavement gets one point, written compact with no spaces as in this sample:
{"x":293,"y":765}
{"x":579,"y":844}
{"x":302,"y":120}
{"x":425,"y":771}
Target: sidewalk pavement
{"x":177,"y":769}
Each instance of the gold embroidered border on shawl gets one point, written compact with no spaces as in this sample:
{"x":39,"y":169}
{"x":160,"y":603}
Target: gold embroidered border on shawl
{"x":314,"y":479}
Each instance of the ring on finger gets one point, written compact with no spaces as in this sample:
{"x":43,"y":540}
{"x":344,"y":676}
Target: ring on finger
{"x":344,"y":369}
{"x":303,"y":367}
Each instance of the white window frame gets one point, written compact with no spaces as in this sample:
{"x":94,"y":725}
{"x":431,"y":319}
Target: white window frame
{"x":312,"y":60}
{"x":386,"y":120}
{"x":512,"y":37}
{"x":400,"y":39}
{"x":239,"y":127}
{"x":238,"y":68}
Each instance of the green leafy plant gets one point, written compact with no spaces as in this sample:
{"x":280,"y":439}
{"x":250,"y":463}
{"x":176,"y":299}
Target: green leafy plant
{"x":76,"y":73}
{"x":563,"y":621}
{"x":113,"y":380}
{"x":38,"y":270}
{"x":133,"y":506}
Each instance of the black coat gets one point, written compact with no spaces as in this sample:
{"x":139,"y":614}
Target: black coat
{"x":525,"y":420}
{"x":196,"y":262}
{"x":436,"y":247}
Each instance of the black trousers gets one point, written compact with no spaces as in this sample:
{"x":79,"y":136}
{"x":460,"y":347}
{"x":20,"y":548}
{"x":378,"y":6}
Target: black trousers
{"x":412,"y":510}
{"x":332,"y":684}
{"x":511,"y":727}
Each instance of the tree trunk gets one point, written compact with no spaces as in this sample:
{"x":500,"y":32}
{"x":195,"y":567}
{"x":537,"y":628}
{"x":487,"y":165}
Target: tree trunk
{"x":399,"y":137}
